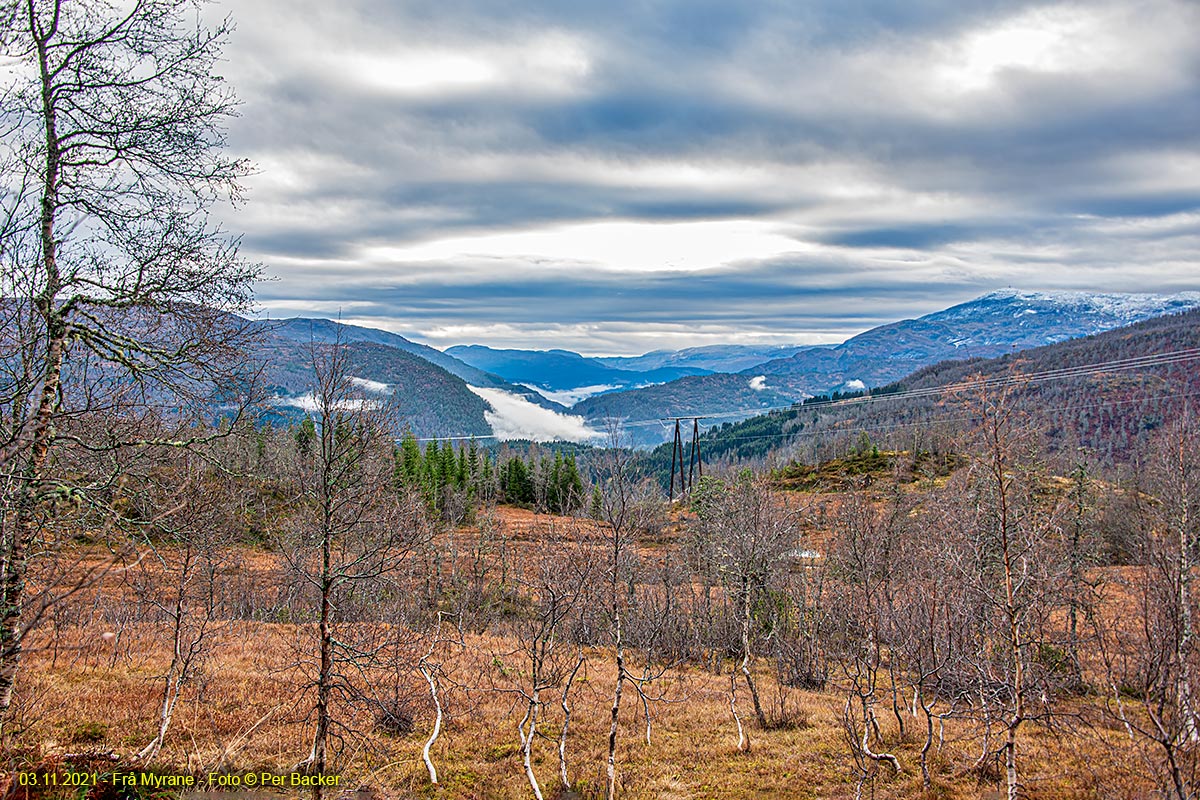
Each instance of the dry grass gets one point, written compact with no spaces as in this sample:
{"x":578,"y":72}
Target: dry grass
{"x":110,"y":689}
{"x":244,"y":714}
{"x":246,"y":709}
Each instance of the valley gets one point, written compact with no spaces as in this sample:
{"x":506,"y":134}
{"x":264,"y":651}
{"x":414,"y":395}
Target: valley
{"x":699,"y":382}
{"x":829,"y":609}
{"x":614,"y":401}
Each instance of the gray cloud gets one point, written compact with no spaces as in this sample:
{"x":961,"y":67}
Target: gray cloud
{"x":917,"y":153}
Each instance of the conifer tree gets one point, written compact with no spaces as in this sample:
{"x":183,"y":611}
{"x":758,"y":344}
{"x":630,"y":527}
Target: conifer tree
{"x":571,"y":486}
{"x":410,"y":459}
{"x":430,"y":476}
{"x":462,"y":471}
{"x":446,"y":466}
{"x":305,"y":435}
{"x":487,"y":475}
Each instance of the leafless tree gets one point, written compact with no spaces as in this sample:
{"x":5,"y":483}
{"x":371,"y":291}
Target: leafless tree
{"x":564,"y":703}
{"x":482,"y":559}
{"x":800,"y":637}
{"x":925,"y":619}
{"x":351,"y":530}
{"x":869,"y":551}
{"x":627,"y":507}
{"x":432,"y":672}
{"x":113,"y":130}
{"x":748,"y":533}
{"x":1005,"y":562}
{"x":866,"y":554}
{"x":1080,"y":547}
{"x":1151,"y":659}
{"x":188,"y":539}
{"x":859,"y":723}
{"x":556,"y":585}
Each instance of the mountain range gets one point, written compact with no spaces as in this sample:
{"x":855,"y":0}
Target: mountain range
{"x":992,"y":325}
{"x":474,"y":390}
{"x":1099,"y":397}
{"x":563,"y":370}
{"x":303,"y":330}
{"x":710,"y":358}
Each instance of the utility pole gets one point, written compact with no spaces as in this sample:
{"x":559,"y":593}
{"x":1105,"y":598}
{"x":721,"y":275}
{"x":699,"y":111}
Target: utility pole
{"x":695,"y":465}
{"x":695,"y":462}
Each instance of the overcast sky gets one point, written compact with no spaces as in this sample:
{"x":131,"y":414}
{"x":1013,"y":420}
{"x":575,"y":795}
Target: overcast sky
{"x":623,"y":176}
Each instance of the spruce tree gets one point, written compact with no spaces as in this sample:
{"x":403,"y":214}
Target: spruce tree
{"x":306,"y":435}
{"x":410,"y":460}
{"x":462,"y":473}
{"x":571,"y":487}
{"x":431,"y":477}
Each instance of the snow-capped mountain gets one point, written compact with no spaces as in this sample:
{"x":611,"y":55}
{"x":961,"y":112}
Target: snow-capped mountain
{"x":440,"y":397}
{"x":988,"y":326}
{"x":1012,"y":317}
{"x":992,"y":325}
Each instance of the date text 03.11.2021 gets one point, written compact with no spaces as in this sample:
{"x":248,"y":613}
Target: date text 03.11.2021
{"x":49,"y":779}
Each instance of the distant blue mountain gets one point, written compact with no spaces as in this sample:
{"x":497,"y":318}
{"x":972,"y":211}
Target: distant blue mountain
{"x":711,"y":358}
{"x":559,"y":370}
{"x":992,"y":325}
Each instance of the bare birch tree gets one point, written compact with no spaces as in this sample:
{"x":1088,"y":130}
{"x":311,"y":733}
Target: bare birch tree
{"x":748,"y":532}
{"x":627,"y":506}
{"x":1004,"y":560}
{"x":113,"y":127}
{"x":556,"y":585}
{"x":351,"y":530}
{"x":188,"y":536}
{"x":1152,"y":660}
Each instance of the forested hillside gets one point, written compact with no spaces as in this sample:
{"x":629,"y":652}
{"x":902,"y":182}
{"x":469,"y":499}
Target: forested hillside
{"x":995,"y":324}
{"x":303,"y":330}
{"x":427,"y":398}
{"x":701,"y":394}
{"x":1105,"y":393}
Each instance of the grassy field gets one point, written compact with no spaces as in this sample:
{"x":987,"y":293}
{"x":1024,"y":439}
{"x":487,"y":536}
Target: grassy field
{"x":90,"y":695}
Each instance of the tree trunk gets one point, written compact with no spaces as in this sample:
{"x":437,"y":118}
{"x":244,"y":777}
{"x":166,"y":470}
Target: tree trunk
{"x":745,"y":667}
{"x":324,"y":687}
{"x":562,"y":737}
{"x":316,"y":761}
{"x":927,"y":745}
{"x":528,"y":729}
{"x":743,"y":744}
{"x":175,"y":673}
{"x":57,"y":332}
{"x":1182,"y":521}
{"x":1076,"y":576}
{"x":1012,"y":617}
{"x":437,"y":722}
{"x":611,"y":786}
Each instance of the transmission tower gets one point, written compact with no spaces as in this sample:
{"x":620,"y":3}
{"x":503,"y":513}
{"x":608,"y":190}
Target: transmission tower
{"x":695,"y":461}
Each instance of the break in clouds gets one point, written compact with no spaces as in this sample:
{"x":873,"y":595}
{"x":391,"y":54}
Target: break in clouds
{"x":615,"y":178}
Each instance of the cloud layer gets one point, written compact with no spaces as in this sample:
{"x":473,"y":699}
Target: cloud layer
{"x":622,"y":176}
{"x":514,"y":417}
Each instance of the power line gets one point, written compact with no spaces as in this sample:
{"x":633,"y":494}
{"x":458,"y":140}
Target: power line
{"x":885,"y":426}
{"x":1112,"y":365}
{"x":685,"y":481}
{"x":1061,"y":373}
